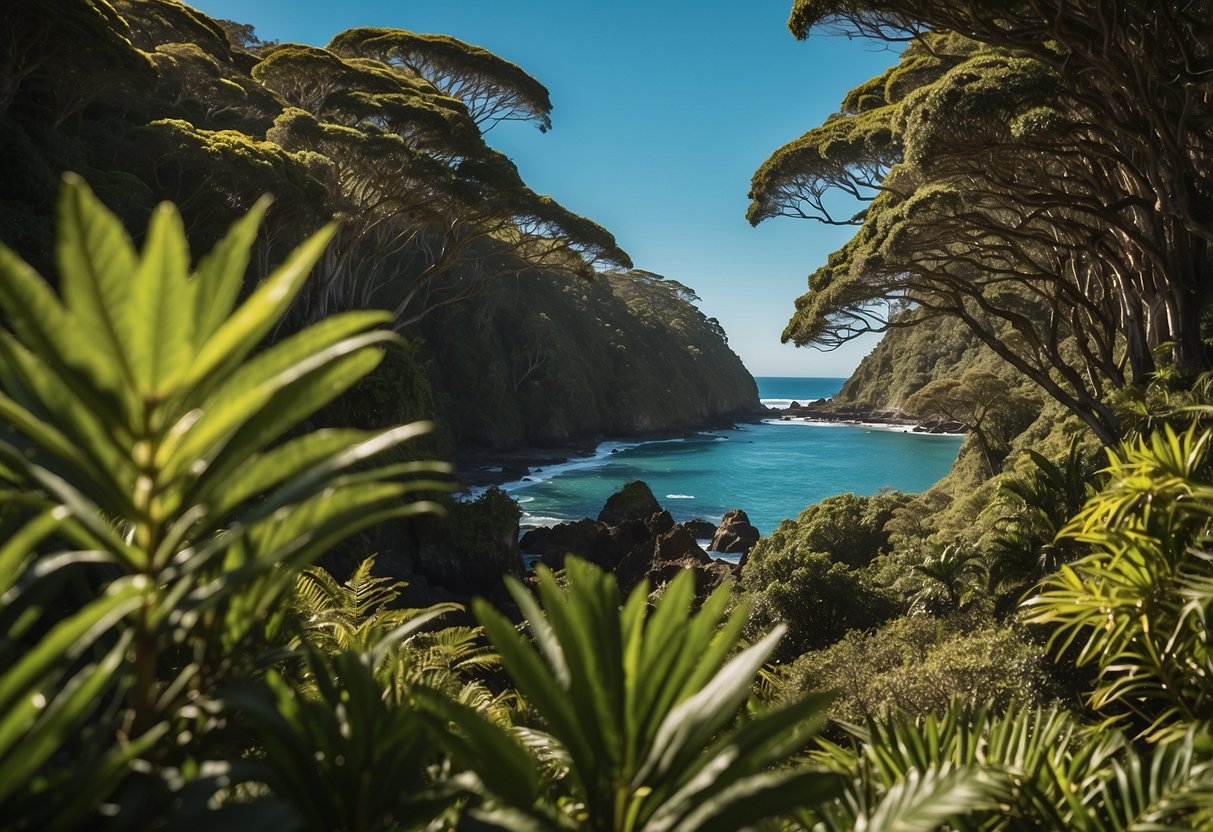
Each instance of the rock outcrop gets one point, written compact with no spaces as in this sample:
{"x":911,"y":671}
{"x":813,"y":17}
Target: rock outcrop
{"x":702,"y":529}
{"x":635,"y":548}
{"x":735,"y":535}
{"x":635,"y":501}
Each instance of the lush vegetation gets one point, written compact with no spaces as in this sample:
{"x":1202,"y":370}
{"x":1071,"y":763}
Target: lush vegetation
{"x":1037,"y":172}
{"x":185,"y":438}
{"x":171,"y":658}
{"x":385,"y":131}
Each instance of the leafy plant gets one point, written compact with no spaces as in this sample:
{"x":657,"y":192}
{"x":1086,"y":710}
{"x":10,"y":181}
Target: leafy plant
{"x":641,"y":712}
{"x":1025,"y":768}
{"x":142,"y":432}
{"x":357,"y":616}
{"x":1139,"y":604}
{"x":948,"y":579}
{"x":1031,"y":508}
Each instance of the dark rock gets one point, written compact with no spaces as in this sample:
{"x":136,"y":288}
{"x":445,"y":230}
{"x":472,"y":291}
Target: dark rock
{"x":515,"y":472}
{"x":735,"y":534}
{"x":625,"y":536}
{"x":592,"y":541}
{"x":659,"y":523}
{"x":661,"y":558}
{"x":701,"y":529}
{"x":632,"y":502}
{"x":708,"y":576}
{"x":679,"y":544}
{"x":477,"y":546}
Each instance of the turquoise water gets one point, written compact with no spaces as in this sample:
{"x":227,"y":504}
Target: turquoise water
{"x":781,"y":391}
{"x":772,"y":469}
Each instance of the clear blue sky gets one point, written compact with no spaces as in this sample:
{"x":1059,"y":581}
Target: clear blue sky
{"x":662,"y":110}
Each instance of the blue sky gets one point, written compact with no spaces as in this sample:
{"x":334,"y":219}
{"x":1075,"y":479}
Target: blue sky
{"x":662,"y":110}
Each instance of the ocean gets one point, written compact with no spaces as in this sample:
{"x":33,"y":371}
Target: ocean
{"x":771,"y":469}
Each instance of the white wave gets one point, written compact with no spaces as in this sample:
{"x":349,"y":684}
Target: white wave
{"x":680,"y":496}
{"x":784,"y":404}
{"x":524,"y":500}
{"x":541,"y":520}
{"x":867,"y":426}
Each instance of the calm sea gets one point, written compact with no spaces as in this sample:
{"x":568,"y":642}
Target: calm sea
{"x":772,"y":469}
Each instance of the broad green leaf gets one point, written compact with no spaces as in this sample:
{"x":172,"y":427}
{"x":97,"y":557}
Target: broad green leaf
{"x":325,"y":470}
{"x":66,"y":641}
{"x":71,"y":705}
{"x":925,"y":800}
{"x":236,"y":337}
{"x":105,"y":445}
{"x":220,"y":274}
{"x":534,"y":681}
{"x":263,"y":471}
{"x":501,"y":762}
{"x":160,"y":318}
{"x":252,"y":417}
{"x":39,"y":319}
{"x":763,"y":795}
{"x":97,"y":261}
{"x":688,"y":727}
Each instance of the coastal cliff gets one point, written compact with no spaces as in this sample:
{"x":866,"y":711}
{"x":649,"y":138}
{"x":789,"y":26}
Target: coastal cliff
{"x":544,"y":361}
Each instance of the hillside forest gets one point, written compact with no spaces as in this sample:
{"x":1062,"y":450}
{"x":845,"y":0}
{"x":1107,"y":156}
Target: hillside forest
{"x":236,"y":590}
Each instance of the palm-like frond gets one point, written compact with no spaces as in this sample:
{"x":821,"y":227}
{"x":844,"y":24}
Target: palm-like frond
{"x":1027,"y":768}
{"x":642,"y":710}
{"x":1137,"y":606}
{"x":137,"y":407}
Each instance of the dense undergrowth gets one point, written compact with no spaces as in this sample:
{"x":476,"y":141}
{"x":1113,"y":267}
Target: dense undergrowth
{"x":170,"y":658}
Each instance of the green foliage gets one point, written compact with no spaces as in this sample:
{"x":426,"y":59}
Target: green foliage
{"x":949,"y":578}
{"x":810,"y":572}
{"x":355,"y":615}
{"x":1138,"y":604}
{"x":641,"y":709}
{"x":985,"y":89}
{"x":1025,"y":768}
{"x":541,"y":361}
{"x":1028,"y":513}
{"x":816,"y":598}
{"x":918,"y":665}
{"x":493,"y":89}
{"x":982,"y":402}
{"x":142,"y":429}
{"x":349,"y":758}
{"x":849,"y":528}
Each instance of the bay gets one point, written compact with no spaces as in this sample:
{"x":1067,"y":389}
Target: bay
{"x":771,"y":469}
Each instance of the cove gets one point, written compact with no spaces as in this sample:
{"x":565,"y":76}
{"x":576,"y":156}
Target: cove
{"x":773,"y":470}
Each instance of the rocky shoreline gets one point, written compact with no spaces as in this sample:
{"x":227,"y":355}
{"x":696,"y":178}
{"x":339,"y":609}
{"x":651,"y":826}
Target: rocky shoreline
{"x":480,"y":468}
{"x":824,"y":410}
{"x":636,"y":539}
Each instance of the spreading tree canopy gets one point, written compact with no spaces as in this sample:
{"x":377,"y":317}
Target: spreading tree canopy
{"x":493,"y":89}
{"x":1039,"y":170}
{"x":431,"y":212}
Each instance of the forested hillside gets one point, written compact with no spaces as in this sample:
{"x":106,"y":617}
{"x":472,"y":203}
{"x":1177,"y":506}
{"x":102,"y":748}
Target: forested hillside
{"x":384,"y":131}
{"x":198,"y":409}
{"x":541,"y":359}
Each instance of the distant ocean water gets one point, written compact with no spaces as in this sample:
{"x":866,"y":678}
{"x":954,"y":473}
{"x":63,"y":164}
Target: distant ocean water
{"x":781,"y":391}
{"x":772,"y":469}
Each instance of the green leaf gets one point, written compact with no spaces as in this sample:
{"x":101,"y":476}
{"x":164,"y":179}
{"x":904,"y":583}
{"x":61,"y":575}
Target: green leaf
{"x":923,"y":801}
{"x":160,"y":318}
{"x":220,"y":274}
{"x":238,"y":335}
{"x":502,"y":763}
{"x":96,"y":260}
{"x":686,"y":729}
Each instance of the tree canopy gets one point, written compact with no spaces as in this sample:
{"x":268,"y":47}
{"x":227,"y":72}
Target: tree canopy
{"x":493,"y":89}
{"x":1040,"y":171}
